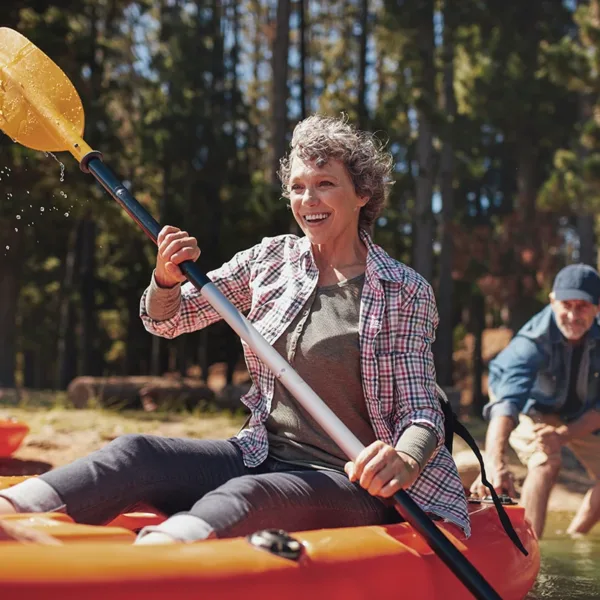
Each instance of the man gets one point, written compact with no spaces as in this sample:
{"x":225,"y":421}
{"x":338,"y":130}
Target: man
{"x":544,"y":390}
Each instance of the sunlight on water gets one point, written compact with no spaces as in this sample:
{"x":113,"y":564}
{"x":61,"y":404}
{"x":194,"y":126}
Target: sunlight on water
{"x":570,"y":568}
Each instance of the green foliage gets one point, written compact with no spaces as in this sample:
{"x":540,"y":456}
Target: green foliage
{"x":178,"y":98}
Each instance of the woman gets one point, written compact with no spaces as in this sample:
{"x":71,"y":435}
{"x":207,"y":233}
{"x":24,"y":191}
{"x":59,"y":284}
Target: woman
{"x":356,"y":325}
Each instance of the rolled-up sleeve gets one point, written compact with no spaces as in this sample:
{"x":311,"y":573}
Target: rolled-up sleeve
{"x":415,"y":370}
{"x":195,"y":312}
{"x":512,"y":375}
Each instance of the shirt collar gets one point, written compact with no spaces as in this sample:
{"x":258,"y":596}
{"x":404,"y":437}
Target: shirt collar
{"x":379,"y":263}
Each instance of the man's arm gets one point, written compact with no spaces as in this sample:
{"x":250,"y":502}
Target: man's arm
{"x":586,"y":424}
{"x":496,"y":442}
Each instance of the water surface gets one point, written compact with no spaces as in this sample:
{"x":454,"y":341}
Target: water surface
{"x":570,"y":567}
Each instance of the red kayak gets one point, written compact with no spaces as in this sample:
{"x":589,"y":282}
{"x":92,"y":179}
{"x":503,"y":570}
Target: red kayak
{"x":99,"y":563}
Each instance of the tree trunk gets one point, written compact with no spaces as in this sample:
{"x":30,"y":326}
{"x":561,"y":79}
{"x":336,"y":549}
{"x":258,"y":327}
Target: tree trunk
{"x":10,"y":268}
{"x":585,"y":219}
{"x":90,"y":364}
{"x":444,"y":345}
{"x":280,"y":86}
{"x":362,"y":65}
{"x":423,"y":228}
{"x":587,"y":241}
{"x":526,"y":179}
{"x":477,"y":326}
{"x":66,"y":363}
{"x":303,"y":57}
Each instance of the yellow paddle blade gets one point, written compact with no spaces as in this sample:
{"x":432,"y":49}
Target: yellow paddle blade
{"x":39,"y":106}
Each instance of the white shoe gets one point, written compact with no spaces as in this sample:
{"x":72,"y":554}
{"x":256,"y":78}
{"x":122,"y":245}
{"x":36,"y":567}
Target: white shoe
{"x":155,"y":538}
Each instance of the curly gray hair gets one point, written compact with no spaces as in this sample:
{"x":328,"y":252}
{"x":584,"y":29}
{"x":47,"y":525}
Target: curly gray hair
{"x":319,"y":138}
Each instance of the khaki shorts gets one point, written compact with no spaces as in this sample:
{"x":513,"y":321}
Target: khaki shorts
{"x":522,"y":441}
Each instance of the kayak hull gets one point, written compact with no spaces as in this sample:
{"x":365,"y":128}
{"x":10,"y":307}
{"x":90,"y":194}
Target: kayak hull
{"x":12,"y":434}
{"x":351,"y":563}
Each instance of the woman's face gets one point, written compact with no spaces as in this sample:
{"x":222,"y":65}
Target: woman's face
{"x":323,"y":200}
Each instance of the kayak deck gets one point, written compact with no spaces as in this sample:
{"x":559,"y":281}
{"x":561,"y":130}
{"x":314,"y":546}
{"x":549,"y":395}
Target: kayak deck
{"x":354,"y":563}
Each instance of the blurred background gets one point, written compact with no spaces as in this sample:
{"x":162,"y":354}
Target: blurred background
{"x":491,"y":110}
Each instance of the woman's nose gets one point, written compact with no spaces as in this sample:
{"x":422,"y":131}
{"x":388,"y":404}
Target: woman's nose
{"x":309,"y":197}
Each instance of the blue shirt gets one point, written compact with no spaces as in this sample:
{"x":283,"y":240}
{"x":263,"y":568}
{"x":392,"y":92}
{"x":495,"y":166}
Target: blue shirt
{"x":532,"y":372}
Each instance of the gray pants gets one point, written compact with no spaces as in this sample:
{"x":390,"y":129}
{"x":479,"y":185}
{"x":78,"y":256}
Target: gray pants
{"x":204,"y":485}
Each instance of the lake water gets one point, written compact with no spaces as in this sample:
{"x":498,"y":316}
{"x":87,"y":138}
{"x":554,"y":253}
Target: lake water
{"x":570,"y":568}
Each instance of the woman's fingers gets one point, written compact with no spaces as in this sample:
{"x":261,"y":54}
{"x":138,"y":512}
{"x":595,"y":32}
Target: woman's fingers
{"x":382,"y":478}
{"x":381,"y":470}
{"x":360,"y":462}
{"x":164,"y":232}
{"x":178,"y":247}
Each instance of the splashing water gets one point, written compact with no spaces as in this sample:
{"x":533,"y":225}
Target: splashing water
{"x":62,"y":167}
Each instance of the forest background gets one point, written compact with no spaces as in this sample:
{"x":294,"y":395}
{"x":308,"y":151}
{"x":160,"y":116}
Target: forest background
{"x":491,"y":111}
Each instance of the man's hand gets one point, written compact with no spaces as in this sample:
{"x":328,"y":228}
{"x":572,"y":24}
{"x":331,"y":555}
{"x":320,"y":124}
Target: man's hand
{"x":382,"y":470}
{"x":549,"y":439}
{"x":501,"y":479}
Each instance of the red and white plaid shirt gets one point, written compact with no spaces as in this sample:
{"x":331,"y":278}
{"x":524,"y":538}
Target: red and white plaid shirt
{"x":272,"y":281}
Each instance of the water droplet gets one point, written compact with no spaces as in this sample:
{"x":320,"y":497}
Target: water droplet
{"x":28,"y":193}
{"x":18,"y":216}
{"x":63,"y":194}
{"x":42,"y":209}
{"x":16,"y":229}
{"x":8,"y":247}
{"x":66,"y":214}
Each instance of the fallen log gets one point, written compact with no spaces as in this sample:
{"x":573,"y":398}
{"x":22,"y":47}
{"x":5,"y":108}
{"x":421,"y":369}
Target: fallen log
{"x":138,"y":392}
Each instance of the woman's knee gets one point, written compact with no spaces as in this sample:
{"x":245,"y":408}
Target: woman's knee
{"x":130,"y":447}
{"x":246,"y":488}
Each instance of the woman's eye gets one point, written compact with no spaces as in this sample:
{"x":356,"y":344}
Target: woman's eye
{"x":296,"y":186}
{"x":325,"y":183}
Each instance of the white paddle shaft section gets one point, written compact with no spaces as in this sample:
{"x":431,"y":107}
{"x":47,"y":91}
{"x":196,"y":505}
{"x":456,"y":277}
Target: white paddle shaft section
{"x":320,"y":412}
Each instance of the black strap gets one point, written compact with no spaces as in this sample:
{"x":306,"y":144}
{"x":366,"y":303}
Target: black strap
{"x":463,"y":432}
{"x":451,"y":426}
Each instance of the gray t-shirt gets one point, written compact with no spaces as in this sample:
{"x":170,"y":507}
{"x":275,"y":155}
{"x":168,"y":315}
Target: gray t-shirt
{"x":322,"y":345}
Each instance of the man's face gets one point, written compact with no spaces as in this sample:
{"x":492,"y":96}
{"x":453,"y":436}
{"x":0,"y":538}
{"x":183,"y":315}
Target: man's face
{"x":573,"y":317}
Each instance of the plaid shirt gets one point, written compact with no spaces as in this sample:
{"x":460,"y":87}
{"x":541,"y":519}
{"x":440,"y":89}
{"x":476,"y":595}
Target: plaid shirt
{"x":272,"y":281}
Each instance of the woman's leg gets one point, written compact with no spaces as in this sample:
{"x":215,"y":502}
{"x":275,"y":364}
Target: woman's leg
{"x":168,"y":473}
{"x":292,"y":500}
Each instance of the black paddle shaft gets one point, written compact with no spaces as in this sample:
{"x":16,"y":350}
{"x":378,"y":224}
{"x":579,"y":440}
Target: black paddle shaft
{"x":410,"y":511}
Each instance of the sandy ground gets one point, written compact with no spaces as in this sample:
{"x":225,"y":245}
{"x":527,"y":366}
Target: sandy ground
{"x":60,"y":435}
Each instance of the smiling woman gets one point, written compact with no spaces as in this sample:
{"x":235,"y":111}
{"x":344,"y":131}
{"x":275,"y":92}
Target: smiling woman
{"x":355,"y":324}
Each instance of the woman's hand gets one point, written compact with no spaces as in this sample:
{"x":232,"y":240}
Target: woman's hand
{"x":382,"y":470}
{"x":174,"y":246}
